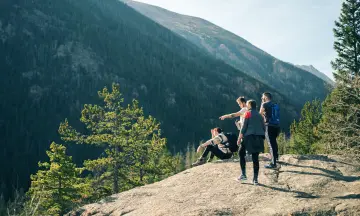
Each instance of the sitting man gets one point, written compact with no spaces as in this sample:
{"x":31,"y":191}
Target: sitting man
{"x":217,"y":146}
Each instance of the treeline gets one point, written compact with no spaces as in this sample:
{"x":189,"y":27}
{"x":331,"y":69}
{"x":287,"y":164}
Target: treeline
{"x":333,"y":127}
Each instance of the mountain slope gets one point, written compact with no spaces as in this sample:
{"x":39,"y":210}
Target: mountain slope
{"x":56,"y":55}
{"x":292,"y":81}
{"x":304,"y":185}
{"x":316,"y":72}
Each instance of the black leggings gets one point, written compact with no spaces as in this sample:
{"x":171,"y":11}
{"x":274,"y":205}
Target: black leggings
{"x":215,"y":151}
{"x":255,"y":159}
{"x":271,"y":133}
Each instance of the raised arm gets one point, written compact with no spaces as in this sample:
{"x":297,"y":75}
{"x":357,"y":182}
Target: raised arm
{"x":262,"y":109}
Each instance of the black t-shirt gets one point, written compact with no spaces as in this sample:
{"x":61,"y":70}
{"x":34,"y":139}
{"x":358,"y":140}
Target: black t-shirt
{"x":268,"y":111}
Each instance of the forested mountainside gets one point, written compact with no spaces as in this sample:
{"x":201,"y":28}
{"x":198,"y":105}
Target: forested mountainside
{"x":55,"y":55}
{"x":297,"y":84}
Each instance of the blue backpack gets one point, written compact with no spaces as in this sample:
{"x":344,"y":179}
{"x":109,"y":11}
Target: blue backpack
{"x":275,"y":114}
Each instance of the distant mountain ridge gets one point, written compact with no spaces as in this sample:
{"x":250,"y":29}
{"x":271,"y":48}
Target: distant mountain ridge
{"x":316,"y":72}
{"x":297,"y":84}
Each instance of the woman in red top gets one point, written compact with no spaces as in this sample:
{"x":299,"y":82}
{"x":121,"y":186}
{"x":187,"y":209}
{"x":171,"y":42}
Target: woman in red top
{"x":251,"y":139}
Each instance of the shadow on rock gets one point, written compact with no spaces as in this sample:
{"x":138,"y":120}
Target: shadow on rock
{"x":329,"y":173}
{"x":299,"y":194}
{"x":350,"y":196}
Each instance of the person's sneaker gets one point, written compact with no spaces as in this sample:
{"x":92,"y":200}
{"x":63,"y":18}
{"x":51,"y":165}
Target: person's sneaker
{"x":210,"y":159}
{"x":242,"y":178}
{"x":270,"y":166}
{"x":200,"y":161}
{"x":255,"y":182}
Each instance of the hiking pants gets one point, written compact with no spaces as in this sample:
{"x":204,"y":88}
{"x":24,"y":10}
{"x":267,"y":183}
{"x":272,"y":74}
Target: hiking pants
{"x":215,"y":151}
{"x":271,"y":133}
{"x":255,"y":159}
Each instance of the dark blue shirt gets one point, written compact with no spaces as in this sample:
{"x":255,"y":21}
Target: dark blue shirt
{"x":267,"y":111}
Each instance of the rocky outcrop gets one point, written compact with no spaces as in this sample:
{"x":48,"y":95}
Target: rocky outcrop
{"x":303,"y":185}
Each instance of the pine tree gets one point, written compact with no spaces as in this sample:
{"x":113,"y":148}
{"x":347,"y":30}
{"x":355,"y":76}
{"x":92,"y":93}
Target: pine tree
{"x":194,"y":155}
{"x":347,"y":44}
{"x":145,"y":146}
{"x":191,"y":156}
{"x":340,"y":126}
{"x":304,"y":133}
{"x":55,"y":186}
{"x":131,"y":142}
{"x":188,"y":155}
{"x":179,"y":162}
{"x":2,"y":205}
{"x":283,"y":144}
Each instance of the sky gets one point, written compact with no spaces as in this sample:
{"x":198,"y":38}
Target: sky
{"x":295,"y":31}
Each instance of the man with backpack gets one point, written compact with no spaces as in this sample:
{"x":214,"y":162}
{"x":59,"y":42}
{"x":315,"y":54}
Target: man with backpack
{"x":271,"y":113}
{"x":221,"y":145}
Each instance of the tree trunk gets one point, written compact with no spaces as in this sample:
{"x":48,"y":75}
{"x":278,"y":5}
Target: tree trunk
{"x":116,"y":178}
{"x":116,"y":172}
{"x":141,"y":170}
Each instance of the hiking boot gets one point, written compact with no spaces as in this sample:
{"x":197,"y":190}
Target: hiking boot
{"x":270,"y":166}
{"x":242,"y":178}
{"x":200,"y":161}
{"x":255,"y":182}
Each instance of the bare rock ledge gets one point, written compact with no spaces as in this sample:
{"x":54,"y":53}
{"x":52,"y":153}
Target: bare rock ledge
{"x":303,"y":185}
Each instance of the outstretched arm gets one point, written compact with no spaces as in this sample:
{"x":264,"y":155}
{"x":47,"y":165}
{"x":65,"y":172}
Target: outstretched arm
{"x":233,"y":115}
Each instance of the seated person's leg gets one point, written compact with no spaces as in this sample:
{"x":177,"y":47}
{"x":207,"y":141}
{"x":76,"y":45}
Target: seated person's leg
{"x":211,"y":157}
{"x":204,"y":155}
{"x":215,"y":151}
{"x":219,"y":154}
{"x":208,"y":150}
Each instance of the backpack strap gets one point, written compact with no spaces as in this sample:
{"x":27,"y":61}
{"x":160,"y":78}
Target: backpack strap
{"x":221,"y":138}
{"x":226,"y":144}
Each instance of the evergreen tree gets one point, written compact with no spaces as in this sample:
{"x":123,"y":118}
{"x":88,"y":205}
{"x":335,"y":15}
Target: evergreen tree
{"x":2,"y":205}
{"x":191,"y":156}
{"x":188,"y":157}
{"x":340,"y":126}
{"x":283,"y":144}
{"x":304,"y":133}
{"x":132,"y":143}
{"x":167,"y":166}
{"x":194,"y":155}
{"x":55,"y":187}
{"x":347,"y":44}
{"x":145,"y":146}
{"x":179,"y":162}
